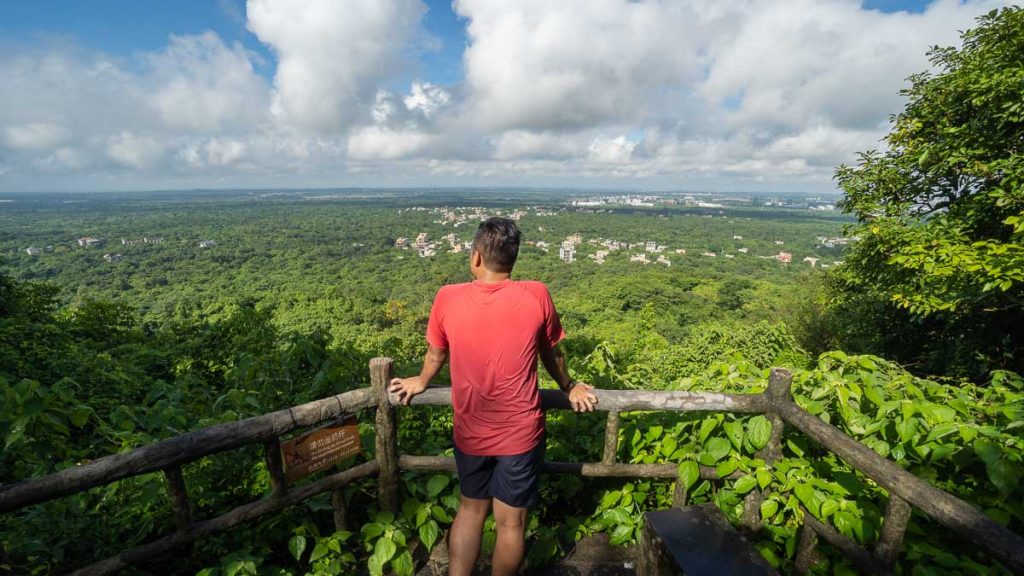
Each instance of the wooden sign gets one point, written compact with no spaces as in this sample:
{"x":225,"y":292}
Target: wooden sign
{"x":319,"y":449}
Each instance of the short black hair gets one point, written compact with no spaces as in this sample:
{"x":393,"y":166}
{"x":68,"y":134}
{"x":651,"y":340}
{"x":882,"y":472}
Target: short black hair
{"x":497,"y":240}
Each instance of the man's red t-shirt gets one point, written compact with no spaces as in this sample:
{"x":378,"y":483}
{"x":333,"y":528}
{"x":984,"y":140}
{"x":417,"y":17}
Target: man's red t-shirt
{"x":493,"y":332}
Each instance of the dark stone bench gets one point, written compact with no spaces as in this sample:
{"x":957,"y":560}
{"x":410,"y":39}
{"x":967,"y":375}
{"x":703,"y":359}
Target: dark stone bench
{"x":696,"y":541}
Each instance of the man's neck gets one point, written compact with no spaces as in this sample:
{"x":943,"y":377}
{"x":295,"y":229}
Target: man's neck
{"x":488,"y":277}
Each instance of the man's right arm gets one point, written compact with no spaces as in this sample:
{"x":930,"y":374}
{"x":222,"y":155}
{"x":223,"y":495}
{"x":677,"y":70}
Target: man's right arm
{"x":406,"y":388}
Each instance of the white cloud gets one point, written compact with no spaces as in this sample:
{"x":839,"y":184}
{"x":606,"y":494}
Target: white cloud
{"x":135,"y":151}
{"x":536,"y":64}
{"x":35,"y":135}
{"x":332,"y":55}
{"x":716,"y":93}
{"x":201,"y":85}
{"x":427,"y":99}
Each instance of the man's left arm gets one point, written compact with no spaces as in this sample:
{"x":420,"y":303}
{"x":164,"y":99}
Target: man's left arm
{"x":580,"y":395}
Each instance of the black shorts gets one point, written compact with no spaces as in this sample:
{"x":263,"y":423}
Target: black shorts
{"x":515,"y":480}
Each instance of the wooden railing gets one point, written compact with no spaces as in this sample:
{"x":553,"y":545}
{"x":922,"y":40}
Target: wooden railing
{"x":169,"y":456}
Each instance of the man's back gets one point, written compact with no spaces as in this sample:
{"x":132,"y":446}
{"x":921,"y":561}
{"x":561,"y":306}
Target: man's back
{"x":493,"y":332}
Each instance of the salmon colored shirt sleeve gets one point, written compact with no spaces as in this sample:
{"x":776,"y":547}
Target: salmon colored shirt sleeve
{"x":436,"y":336}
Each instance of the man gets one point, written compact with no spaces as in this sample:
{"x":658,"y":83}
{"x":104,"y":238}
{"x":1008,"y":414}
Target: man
{"x":493,"y":329}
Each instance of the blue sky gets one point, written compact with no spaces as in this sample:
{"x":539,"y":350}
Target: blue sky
{"x":125,"y":27}
{"x":765,"y":95}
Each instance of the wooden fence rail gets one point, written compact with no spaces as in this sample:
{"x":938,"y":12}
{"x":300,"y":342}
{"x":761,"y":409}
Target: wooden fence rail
{"x":170,"y":456}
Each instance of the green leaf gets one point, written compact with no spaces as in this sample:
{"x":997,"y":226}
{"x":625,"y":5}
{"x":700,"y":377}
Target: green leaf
{"x":805,"y":493}
{"x":385,"y":549}
{"x":1004,"y":475}
{"x":618,"y":516}
{"x":409,"y":508}
{"x":621,"y":534}
{"x":372,"y":530}
{"x":610,"y":498}
{"x":734,"y":431}
{"x":796,"y":449}
{"x":759,"y":431}
{"x":769,"y":508}
{"x":668,"y":446}
{"x":717,"y":448}
{"x":296,"y":546}
{"x":376,"y":565}
{"x":437,"y":484}
{"x":441,"y":515}
{"x":828,"y":507}
{"x":706,"y":426}
{"x":907,"y":428}
{"x":725,"y":468}
{"x":402,"y":564}
{"x":988,"y":451}
{"x":319,"y":551}
{"x":80,"y":415}
{"x":689,"y":473}
{"x":429,"y":533}
{"x":745,"y":484}
{"x":764,"y":478}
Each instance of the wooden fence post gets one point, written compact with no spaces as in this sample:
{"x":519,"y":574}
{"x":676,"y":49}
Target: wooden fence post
{"x":340,"y":509}
{"x":272,"y":455}
{"x":806,"y":555}
{"x":179,"y":499}
{"x":387,"y":436}
{"x":897,"y":515}
{"x":778,"y":391}
{"x":611,"y":438}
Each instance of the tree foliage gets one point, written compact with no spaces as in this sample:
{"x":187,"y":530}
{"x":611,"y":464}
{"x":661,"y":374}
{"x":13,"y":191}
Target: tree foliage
{"x":938,"y":274}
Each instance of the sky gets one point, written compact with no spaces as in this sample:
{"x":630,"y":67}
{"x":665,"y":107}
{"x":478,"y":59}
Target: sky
{"x":699,"y":95}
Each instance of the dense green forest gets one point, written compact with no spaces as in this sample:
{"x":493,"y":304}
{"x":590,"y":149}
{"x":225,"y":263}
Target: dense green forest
{"x":904,"y":331}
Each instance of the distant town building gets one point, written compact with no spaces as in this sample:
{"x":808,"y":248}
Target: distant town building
{"x":779,"y":242}
{"x":112,"y":257}
{"x":207,"y":243}
{"x":743,"y":250}
{"x":89,"y":242}
{"x":663,"y":260}
{"x":567,"y":252}
{"x":737,"y":237}
{"x":784,"y":257}
{"x":542,"y":245}
{"x":710,"y":254}
{"x":641,"y":258}
{"x":576,"y":239}
{"x":813,"y":261}
{"x":402,"y":242}
{"x":680,"y":250}
{"x":33,"y":251}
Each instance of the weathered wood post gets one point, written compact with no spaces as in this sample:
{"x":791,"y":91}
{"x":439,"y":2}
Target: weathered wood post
{"x":779,"y":383}
{"x":897,"y":515}
{"x":778,"y":393}
{"x":272,"y":455}
{"x":340,"y":510}
{"x":179,"y":499}
{"x":386,"y":425}
{"x":611,"y":437}
{"x":806,"y":553}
